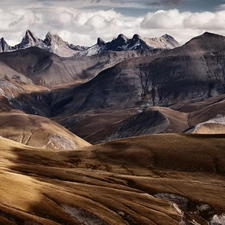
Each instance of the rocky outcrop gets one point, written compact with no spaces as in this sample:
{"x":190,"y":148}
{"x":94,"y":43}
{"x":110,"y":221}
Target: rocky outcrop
{"x":4,"y":47}
{"x":29,"y":40}
{"x":55,"y":44}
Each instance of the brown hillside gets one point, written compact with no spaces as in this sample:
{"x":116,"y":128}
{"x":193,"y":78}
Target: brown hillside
{"x":128,"y":181}
{"x":37,"y":131}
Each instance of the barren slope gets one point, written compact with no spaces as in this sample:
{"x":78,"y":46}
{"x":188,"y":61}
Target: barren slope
{"x":47,"y":69}
{"x":131,"y":181}
{"x":37,"y":131}
{"x":105,"y":125}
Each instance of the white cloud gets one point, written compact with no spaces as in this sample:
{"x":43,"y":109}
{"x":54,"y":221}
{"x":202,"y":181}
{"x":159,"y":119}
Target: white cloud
{"x":164,"y":19}
{"x":83,"y":27}
{"x":184,"y":25}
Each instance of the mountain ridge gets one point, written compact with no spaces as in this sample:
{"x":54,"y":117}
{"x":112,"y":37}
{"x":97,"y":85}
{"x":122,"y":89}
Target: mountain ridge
{"x":174,"y":78}
{"x":122,"y":43}
{"x":55,"y":44}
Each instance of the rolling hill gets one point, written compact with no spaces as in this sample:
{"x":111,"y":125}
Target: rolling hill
{"x":158,"y":179}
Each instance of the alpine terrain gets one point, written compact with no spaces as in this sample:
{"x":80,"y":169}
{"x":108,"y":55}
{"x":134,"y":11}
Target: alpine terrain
{"x":125,"y":132}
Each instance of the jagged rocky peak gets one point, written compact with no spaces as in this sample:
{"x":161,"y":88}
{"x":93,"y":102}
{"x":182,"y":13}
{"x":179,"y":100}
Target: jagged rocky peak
{"x":2,"y":40}
{"x":119,"y":42}
{"x":100,"y":42}
{"x":3,"y":45}
{"x":122,"y":37}
{"x":136,"y":37}
{"x":53,"y":39}
{"x":167,"y":36}
{"x":30,"y":38}
{"x":170,"y":40}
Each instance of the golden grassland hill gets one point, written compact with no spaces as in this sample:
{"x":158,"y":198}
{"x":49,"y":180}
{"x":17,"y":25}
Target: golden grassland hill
{"x":37,"y":131}
{"x":156,"y":179}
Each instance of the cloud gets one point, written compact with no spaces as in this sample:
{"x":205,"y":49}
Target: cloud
{"x":83,"y":27}
{"x":184,"y":25}
{"x":164,"y":19}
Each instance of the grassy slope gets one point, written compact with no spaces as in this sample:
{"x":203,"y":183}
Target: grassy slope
{"x":37,"y":131}
{"x":112,"y":183}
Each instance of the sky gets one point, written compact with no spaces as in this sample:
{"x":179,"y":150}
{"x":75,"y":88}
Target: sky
{"x":81,"y":22}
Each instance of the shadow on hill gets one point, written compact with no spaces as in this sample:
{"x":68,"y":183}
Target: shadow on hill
{"x":115,"y":182}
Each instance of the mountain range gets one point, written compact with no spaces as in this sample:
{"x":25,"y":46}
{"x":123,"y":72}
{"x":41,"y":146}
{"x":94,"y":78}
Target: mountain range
{"x":53,"y":43}
{"x":141,"y":91}
{"x":129,"y":131}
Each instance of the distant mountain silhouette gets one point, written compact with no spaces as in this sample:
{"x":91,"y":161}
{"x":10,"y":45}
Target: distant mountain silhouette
{"x":122,"y":43}
{"x":53,"y":43}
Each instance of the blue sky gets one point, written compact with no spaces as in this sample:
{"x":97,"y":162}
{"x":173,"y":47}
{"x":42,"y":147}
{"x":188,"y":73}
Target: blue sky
{"x":83,"y":21}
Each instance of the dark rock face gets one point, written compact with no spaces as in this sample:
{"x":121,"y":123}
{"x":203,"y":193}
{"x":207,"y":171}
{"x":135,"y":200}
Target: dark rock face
{"x":3,"y":45}
{"x":29,"y":40}
{"x":100,"y":42}
{"x":122,"y":43}
{"x":117,"y":43}
{"x":137,"y":43}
